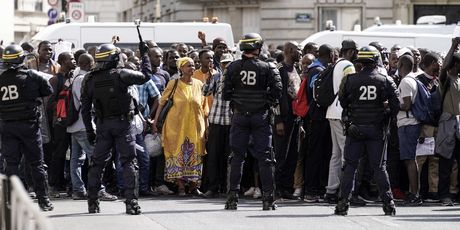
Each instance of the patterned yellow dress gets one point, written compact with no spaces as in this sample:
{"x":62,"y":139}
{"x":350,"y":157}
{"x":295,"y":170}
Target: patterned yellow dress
{"x":183,"y":131}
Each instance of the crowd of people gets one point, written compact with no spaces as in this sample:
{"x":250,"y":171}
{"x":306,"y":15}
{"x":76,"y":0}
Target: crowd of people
{"x":369,"y":135}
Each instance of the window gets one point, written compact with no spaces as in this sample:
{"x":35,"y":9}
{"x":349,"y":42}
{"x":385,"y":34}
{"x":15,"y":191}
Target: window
{"x":343,"y":18}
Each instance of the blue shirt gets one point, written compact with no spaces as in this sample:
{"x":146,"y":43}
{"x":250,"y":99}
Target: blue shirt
{"x":146,"y":91}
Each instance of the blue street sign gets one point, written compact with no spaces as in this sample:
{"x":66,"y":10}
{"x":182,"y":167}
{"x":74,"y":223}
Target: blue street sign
{"x":53,"y":13}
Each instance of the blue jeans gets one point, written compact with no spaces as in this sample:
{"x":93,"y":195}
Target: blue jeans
{"x":143,"y":161}
{"x":81,"y":148}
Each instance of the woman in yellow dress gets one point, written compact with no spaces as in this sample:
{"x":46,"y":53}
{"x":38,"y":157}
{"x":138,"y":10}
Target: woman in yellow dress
{"x":183,"y":133}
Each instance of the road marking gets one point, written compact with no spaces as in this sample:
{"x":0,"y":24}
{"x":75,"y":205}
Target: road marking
{"x":385,"y":222}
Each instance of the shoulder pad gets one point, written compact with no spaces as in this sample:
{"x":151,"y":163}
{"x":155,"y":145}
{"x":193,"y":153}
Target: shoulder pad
{"x":127,"y":72}
{"x":271,"y":65}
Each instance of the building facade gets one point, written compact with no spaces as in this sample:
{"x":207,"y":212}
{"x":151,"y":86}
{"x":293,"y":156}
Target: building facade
{"x":281,"y":20}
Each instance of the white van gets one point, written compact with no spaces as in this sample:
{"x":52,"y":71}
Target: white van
{"x":436,"y":42}
{"x":419,"y":29}
{"x":84,"y":35}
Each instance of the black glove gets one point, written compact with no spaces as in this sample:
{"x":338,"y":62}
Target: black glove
{"x":143,"y":48}
{"x":353,"y":131}
{"x":91,"y":137}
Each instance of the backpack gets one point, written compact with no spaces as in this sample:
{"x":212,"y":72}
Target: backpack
{"x":427,"y":105}
{"x":66,"y":112}
{"x":323,"y":89}
{"x":300,"y":103}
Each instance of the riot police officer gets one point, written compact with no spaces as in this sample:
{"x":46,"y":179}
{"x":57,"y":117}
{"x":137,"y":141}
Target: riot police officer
{"x":365,"y":97}
{"x":252,"y":86}
{"x":106,"y":87}
{"x":20,"y":90}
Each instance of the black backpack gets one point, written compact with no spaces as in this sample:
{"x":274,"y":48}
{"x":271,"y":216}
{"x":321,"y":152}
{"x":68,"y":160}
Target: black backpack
{"x":323,"y":90}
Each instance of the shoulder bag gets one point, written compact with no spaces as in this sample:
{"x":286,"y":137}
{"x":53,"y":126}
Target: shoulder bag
{"x":167,"y":106}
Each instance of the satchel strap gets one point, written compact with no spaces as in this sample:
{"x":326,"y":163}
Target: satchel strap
{"x":171,"y":95}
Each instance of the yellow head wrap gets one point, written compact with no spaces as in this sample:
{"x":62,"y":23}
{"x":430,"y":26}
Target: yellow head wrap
{"x":182,"y":61}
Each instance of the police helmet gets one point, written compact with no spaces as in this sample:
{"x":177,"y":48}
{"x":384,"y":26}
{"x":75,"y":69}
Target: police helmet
{"x":13,"y":55}
{"x":107,"y":53}
{"x":368,"y":54}
{"x":251,"y":41}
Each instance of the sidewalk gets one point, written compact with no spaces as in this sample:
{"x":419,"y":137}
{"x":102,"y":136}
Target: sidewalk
{"x":200,"y":214}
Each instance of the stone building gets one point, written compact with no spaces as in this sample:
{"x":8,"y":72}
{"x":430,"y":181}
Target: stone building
{"x":281,"y":20}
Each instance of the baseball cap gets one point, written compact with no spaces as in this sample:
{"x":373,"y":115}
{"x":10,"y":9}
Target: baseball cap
{"x":349,"y":44}
{"x":217,"y":42}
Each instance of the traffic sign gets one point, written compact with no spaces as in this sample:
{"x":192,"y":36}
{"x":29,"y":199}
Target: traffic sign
{"x":77,"y":11}
{"x":53,"y":13}
{"x":53,"y":2}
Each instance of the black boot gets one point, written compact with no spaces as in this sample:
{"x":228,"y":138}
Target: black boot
{"x":45,"y":204}
{"x":268,"y":202}
{"x":132,"y":207}
{"x":342,"y":207}
{"x":389,"y":208}
{"x":232,"y":201}
{"x":93,"y":206}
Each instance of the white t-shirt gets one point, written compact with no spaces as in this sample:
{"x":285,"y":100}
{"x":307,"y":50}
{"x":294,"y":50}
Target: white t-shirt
{"x":407,"y":88}
{"x":342,"y":68}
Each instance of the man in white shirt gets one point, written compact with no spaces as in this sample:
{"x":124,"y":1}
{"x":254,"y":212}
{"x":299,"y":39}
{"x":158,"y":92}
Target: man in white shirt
{"x":342,"y":68}
{"x":408,"y":127}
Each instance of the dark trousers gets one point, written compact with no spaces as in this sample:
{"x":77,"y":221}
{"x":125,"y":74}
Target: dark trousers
{"x":24,"y":138}
{"x":371,"y":143}
{"x":157,"y":169}
{"x":319,"y":150}
{"x":258,"y":126}
{"x":218,"y":151}
{"x":286,"y":151}
{"x":445,"y":170}
{"x":121,"y":133}
{"x":61,"y":145}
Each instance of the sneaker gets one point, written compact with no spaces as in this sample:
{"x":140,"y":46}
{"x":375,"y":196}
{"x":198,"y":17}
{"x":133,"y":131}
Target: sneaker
{"x":357,"y":201}
{"x":210,"y":194}
{"x":250,"y":192}
{"x":163,"y":190}
{"x":311,"y":198}
{"x":398,"y":194}
{"x":257,"y":193}
{"x":54,"y":192}
{"x":79,"y":196}
{"x":148,"y":193}
{"x":45,"y":204}
{"x":331,"y":198}
{"x":413,"y":200}
{"x":447,"y":201}
{"x":431,"y":197}
{"x":297,"y":192}
{"x":105,"y":196}
{"x":31,"y":192}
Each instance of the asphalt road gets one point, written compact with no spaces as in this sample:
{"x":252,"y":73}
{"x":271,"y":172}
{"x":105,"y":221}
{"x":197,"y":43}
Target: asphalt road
{"x":192,"y":213}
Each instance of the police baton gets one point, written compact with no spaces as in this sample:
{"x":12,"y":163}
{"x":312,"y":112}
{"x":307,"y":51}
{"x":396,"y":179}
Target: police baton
{"x":386,"y":133}
{"x":137,"y":22}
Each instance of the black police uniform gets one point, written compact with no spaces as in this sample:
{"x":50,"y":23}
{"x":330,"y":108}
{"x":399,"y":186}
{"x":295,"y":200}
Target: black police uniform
{"x":107,"y":90}
{"x":20,"y":90}
{"x":362,"y":96}
{"x":252,"y":85}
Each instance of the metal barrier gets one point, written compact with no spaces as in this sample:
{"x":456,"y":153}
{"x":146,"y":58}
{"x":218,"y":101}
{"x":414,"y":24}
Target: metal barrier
{"x":18,"y":212}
